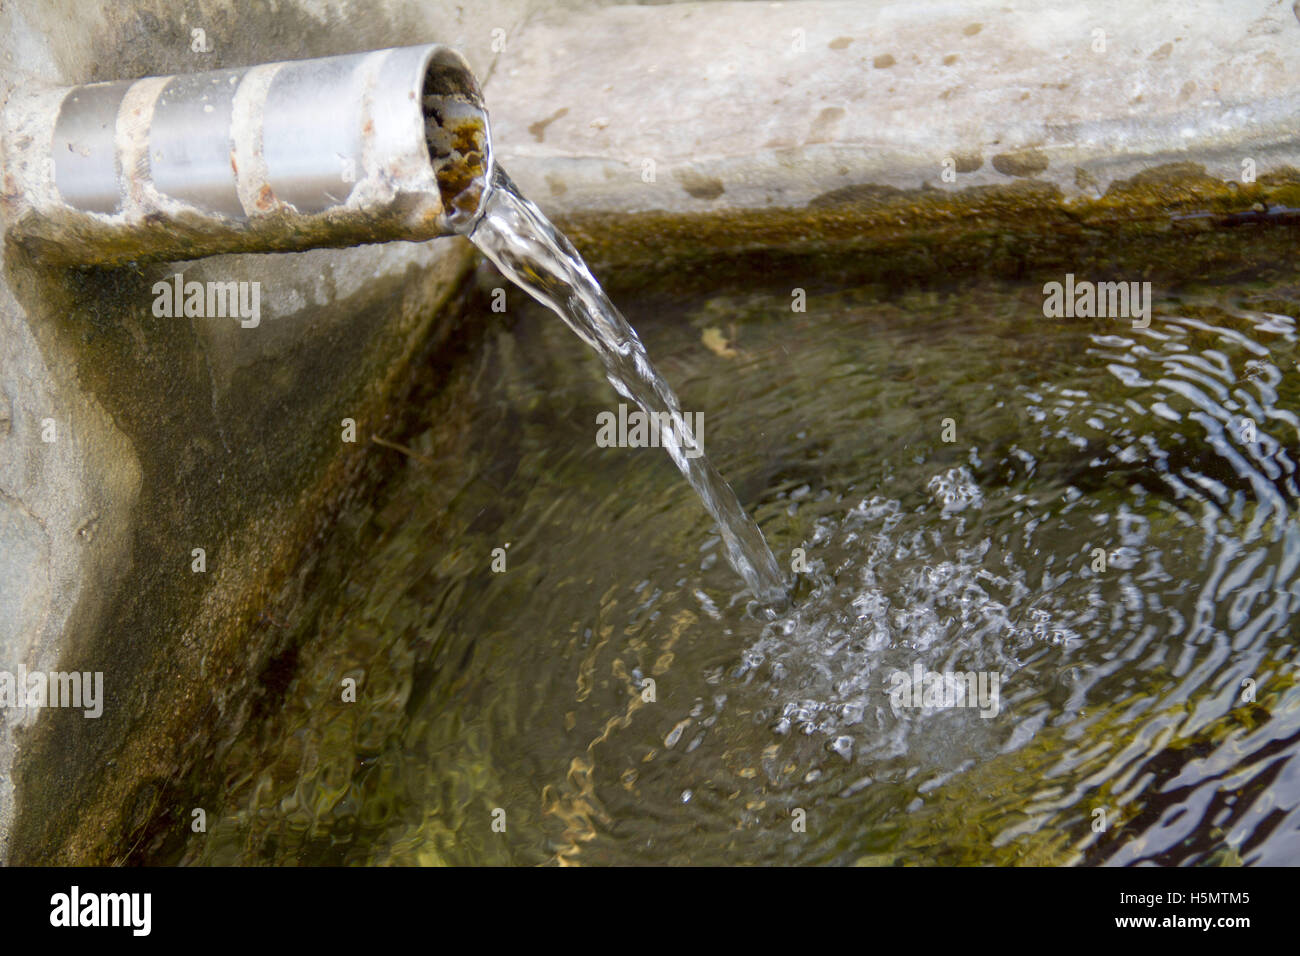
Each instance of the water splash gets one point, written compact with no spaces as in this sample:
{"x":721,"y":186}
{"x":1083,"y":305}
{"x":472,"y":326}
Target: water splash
{"x":1120,"y":681}
{"x":537,"y":257}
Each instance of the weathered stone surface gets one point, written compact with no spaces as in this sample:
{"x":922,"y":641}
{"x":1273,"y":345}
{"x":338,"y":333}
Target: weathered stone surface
{"x":760,"y":105}
{"x":171,"y":434}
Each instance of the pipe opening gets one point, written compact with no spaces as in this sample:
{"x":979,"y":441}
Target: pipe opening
{"x":458,"y":138}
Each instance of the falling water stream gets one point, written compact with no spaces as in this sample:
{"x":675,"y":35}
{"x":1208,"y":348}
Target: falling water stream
{"x":528,"y":249}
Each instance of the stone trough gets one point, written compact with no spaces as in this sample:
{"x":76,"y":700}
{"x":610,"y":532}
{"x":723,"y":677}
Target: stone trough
{"x":161,"y":478}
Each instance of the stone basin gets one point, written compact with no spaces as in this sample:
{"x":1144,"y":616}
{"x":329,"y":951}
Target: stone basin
{"x":678,"y":145}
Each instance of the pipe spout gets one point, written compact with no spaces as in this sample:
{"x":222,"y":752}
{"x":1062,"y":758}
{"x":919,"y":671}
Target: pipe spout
{"x":369,"y":147}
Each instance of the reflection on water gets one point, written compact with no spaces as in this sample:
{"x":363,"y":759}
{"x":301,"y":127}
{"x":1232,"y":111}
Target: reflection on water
{"x":1112,"y":532}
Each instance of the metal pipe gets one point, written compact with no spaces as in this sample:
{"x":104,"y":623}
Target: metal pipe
{"x":368,"y":147}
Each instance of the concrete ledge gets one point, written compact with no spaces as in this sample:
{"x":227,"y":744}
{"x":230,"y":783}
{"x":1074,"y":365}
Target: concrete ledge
{"x":765,"y":105}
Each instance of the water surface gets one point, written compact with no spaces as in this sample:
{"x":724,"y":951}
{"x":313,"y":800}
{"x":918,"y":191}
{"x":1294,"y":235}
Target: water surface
{"x":525,"y":691}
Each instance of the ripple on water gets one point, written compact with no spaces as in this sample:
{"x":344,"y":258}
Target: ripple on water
{"x":1113,"y":535}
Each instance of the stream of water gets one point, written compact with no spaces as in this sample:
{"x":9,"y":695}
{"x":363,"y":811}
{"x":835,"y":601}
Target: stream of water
{"x":529,"y":250}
